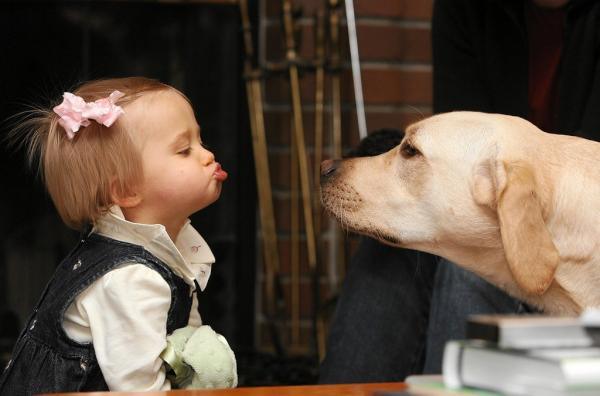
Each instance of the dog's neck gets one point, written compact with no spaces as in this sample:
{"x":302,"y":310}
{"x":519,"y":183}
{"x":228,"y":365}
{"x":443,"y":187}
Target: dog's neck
{"x":574,"y":223}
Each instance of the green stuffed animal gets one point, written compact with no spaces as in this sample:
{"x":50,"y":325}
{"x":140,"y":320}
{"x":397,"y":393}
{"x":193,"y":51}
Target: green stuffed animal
{"x":199,"y":358}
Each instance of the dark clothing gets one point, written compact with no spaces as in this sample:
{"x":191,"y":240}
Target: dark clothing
{"x":546,"y":27}
{"x":457,"y":294}
{"x":397,"y":309}
{"x":45,"y":359}
{"x":480,"y":61}
{"x":379,"y":325}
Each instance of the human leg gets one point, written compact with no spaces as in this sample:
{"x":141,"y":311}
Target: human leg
{"x":458,"y":293}
{"x":377,"y":332}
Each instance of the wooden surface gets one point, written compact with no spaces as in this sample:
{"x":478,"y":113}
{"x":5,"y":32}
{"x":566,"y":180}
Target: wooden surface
{"x":305,"y":390}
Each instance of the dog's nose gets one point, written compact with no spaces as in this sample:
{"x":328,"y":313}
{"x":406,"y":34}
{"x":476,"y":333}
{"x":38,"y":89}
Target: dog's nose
{"x":328,"y":168}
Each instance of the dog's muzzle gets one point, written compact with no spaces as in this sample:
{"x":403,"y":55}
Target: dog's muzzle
{"x":337,"y":195}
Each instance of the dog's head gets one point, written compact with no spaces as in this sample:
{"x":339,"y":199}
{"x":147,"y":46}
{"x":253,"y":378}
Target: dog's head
{"x":460,"y":185}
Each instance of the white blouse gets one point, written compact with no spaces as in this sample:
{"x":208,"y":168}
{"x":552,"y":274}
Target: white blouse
{"x":124,"y":313}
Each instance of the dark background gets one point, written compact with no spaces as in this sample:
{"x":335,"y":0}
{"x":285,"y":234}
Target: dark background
{"x":47,"y":48}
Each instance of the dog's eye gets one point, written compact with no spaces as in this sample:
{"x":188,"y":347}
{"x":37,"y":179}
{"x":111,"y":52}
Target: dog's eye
{"x":408,"y":150}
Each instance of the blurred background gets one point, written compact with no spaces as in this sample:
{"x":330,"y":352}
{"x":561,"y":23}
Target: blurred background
{"x":197,"y":46}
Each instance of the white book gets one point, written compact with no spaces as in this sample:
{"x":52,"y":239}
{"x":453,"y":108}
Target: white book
{"x":534,"y":372}
{"x":529,"y":331}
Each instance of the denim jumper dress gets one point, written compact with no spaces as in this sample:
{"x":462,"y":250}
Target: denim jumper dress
{"x":45,"y":359}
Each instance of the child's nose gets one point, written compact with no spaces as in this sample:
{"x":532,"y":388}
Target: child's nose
{"x":208,"y":157}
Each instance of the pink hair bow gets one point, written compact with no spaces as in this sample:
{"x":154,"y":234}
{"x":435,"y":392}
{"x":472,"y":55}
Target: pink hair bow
{"x":75,"y":112}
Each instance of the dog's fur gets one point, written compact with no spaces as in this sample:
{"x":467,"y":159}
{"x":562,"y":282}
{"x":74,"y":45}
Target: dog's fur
{"x":492,"y":193}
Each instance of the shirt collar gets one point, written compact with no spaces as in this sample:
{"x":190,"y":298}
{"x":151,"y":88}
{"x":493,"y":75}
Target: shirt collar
{"x":189,"y":256}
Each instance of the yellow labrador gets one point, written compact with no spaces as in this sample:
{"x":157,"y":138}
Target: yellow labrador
{"x":490,"y":192}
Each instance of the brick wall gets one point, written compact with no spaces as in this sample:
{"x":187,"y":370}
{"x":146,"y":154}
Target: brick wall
{"x":395,"y":52}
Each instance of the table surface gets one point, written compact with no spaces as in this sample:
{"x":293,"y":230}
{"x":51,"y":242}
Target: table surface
{"x":305,"y":390}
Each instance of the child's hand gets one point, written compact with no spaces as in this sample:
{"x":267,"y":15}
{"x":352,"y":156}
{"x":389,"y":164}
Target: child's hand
{"x":200,"y":358}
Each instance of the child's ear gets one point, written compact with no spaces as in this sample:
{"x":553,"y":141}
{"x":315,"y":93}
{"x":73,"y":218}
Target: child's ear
{"x":125,"y":199}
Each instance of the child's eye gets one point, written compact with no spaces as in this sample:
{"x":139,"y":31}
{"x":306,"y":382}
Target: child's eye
{"x":185,"y":151}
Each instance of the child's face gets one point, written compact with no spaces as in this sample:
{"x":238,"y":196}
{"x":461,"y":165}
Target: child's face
{"x":180,"y":175}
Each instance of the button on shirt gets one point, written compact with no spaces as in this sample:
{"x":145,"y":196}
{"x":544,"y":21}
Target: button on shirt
{"x":124,"y":313}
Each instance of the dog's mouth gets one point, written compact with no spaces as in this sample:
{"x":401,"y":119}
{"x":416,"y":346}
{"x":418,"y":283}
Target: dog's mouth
{"x":344,"y":202}
{"x":379,"y":235}
{"x":350,"y":223}
{"x":387,"y":239}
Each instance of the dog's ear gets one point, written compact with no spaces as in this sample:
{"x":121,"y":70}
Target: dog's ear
{"x":510,"y":190}
{"x":530,"y":252}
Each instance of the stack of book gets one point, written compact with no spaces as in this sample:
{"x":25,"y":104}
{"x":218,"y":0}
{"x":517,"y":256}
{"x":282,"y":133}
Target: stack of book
{"x":526,"y":355}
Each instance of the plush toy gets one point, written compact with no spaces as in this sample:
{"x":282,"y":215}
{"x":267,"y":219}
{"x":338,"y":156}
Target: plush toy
{"x":199,"y":358}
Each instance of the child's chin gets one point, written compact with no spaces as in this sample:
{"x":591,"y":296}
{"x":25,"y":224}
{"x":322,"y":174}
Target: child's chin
{"x":207,"y":203}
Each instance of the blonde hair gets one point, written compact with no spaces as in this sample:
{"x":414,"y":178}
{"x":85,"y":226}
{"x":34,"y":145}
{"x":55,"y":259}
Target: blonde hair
{"x":79,"y":173}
